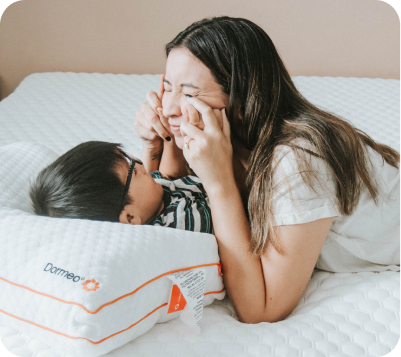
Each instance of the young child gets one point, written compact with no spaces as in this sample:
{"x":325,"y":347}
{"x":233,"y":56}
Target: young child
{"x":98,"y":180}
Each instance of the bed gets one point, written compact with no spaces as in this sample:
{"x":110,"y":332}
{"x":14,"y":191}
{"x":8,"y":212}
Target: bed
{"x":339,"y":314}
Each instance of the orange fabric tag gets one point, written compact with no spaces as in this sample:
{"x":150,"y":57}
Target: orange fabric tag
{"x":177,"y":300}
{"x":219,"y":269}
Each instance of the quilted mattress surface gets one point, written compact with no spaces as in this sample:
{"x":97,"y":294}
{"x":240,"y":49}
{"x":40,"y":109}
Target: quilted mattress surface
{"x":338,"y":315}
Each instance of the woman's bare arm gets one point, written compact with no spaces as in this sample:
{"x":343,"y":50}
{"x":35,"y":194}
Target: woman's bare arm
{"x":242,"y":273}
{"x":287,"y":275}
{"x":263,"y":289}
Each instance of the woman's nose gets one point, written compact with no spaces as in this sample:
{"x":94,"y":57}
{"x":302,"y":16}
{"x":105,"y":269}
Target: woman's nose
{"x":171,"y":107}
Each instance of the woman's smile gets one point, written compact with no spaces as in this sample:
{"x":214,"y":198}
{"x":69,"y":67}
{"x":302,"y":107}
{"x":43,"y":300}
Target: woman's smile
{"x":175,"y":128}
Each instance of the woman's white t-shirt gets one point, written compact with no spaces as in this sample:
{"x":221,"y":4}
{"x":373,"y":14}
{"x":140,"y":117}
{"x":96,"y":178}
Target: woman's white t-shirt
{"x":367,"y":240}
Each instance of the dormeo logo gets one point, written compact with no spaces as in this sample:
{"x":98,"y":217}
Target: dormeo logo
{"x":88,"y":285}
{"x":63,"y":273}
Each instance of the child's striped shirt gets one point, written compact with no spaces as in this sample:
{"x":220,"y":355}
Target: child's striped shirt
{"x":186,"y":205}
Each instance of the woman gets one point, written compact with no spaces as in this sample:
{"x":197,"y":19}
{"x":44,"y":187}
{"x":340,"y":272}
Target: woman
{"x":291,"y":186}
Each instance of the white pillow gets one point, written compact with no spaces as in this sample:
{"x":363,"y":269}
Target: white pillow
{"x":20,"y":163}
{"x":87,"y":287}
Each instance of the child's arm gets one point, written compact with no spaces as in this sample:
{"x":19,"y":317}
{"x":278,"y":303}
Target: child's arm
{"x":151,"y":156}
{"x":173,"y":164}
{"x":166,"y":158}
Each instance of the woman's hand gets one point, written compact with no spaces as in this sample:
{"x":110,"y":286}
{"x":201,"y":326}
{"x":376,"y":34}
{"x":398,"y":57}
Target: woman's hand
{"x":194,"y":117}
{"x":150,"y":123}
{"x":209,"y":151}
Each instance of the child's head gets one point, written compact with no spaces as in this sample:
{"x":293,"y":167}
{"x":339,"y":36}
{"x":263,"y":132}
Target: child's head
{"x":89,"y":182}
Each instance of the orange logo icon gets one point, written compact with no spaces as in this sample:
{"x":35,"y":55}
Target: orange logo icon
{"x":177,"y":300}
{"x":93,"y":285}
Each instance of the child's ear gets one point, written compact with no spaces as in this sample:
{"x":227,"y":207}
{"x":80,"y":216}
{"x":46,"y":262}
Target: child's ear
{"x":128,"y":218}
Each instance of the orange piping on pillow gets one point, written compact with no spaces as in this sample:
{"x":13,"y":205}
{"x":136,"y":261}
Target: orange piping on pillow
{"x":104,"y":339}
{"x":114,"y":301}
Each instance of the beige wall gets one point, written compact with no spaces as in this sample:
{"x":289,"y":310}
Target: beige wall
{"x":357,"y":38}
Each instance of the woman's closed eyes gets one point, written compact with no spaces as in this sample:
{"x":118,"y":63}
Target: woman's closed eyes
{"x":187,"y":95}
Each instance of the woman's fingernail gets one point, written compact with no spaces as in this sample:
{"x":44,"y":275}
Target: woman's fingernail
{"x":188,"y":96}
{"x":168,"y":138}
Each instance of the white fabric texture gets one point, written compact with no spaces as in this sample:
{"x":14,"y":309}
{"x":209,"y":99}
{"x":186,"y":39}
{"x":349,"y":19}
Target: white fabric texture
{"x":339,"y":314}
{"x":366,"y":240}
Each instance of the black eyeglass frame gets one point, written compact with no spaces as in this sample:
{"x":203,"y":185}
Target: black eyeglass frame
{"x":132,"y":163}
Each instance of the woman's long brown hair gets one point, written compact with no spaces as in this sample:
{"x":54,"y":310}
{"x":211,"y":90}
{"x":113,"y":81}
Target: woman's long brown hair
{"x":266,"y":111}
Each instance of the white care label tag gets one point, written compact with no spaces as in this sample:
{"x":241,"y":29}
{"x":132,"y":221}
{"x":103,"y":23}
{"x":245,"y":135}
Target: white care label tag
{"x":191,"y":284}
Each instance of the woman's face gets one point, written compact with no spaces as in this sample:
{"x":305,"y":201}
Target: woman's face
{"x":185,"y":74}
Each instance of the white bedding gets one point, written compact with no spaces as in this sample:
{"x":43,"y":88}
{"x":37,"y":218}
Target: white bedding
{"x":338,"y":315}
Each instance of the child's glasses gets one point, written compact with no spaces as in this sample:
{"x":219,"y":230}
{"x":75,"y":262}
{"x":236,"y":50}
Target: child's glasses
{"x":132,"y":163}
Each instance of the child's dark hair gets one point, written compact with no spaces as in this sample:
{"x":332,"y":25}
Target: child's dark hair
{"x":82,"y":183}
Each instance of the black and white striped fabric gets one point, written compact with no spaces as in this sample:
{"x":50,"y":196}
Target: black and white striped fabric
{"x":186,"y":205}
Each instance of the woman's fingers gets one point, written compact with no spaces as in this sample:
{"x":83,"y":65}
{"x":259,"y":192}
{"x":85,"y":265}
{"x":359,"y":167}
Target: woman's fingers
{"x":194,"y":117}
{"x":207,"y":112}
{"x":150,"y":123}
{"x":161,"y":87}
{"x":153,"y":120}
{"x":164,"y":121}
{"x":144,"y":130}
{"x":191,"y":130}
{"x":154,"y":101}
{"x":185,"y":117}
{"x":219,"y":116}
{"x":225,"y":125}
{"x":159,"y":122}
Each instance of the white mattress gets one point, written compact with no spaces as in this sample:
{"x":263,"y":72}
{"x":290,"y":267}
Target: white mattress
{"x":338,"y":315}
